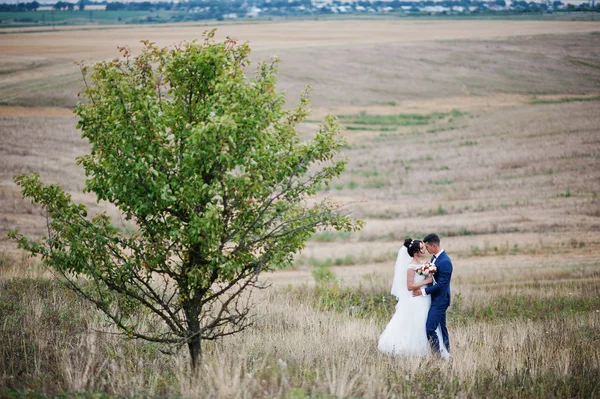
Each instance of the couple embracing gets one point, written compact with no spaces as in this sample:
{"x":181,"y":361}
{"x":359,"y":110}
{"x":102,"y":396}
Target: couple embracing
{"x":418,"y":326}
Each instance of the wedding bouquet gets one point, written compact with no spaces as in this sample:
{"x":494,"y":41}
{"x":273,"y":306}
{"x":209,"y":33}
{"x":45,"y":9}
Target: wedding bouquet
{"x":426,"y":269}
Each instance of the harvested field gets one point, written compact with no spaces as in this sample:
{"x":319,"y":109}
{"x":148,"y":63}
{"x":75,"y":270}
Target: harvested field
{"x":486,"y":132}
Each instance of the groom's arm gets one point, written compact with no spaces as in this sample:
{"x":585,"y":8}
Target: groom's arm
{"x":443,"y":280}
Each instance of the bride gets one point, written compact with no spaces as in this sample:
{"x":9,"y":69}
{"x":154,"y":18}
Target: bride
{"x":405,"y":334}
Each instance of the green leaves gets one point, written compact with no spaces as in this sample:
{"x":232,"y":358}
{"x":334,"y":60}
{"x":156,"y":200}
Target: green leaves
{"x":208,"y":164}
{"x":181,"y":135}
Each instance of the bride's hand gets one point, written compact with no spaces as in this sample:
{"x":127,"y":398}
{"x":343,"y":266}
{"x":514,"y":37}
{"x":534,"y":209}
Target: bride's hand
{"x":428,"y":279}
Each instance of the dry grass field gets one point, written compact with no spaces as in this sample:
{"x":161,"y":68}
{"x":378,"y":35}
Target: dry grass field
{"x":486,"y":132}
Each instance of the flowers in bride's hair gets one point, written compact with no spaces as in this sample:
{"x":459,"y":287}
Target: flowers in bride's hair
{"x":426,"y":269}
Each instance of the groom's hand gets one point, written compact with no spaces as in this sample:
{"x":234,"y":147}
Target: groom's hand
{"x":417,"y":292}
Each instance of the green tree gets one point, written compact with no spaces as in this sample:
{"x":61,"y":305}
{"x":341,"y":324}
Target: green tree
{"x":208,"y":167}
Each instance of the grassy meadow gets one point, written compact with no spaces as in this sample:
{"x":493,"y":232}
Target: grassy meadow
{"x":486,"y":132}
{"x":64,"y":17}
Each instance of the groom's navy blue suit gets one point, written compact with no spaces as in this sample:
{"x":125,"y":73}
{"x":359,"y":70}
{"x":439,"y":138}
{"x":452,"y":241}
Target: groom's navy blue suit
{"x":440,"y":301}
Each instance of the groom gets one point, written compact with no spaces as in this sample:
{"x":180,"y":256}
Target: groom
{"x":440,"y":293}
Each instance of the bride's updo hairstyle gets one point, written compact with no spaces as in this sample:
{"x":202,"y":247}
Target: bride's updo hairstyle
{"x":413,"y":246}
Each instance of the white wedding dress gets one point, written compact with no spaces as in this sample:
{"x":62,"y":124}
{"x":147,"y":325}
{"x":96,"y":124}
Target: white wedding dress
{"x":405,"y":333}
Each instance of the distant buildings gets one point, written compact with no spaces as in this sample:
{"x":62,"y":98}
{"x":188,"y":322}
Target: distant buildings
{"x":192,"y":10}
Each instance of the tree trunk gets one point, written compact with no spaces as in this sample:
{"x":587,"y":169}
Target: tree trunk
{"x":195,"y":340}
{"x":192,"y":308}
{"x":195,"y":351}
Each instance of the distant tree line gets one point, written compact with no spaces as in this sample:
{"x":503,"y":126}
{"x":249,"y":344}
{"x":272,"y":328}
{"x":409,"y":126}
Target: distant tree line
{"x":34,"y":5}
{"x":219,"y":9}
{"x":63,"y":5}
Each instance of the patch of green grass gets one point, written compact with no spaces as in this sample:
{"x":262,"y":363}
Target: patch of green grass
{"x":372,"y":181}
{"x":502,"y":308}
{"x":566,"y":194}
{"x":20,"y":67}
{"x":5,"y":260}
{"x":441,"y":182}
{"x":28,"y":394}
{"x":351,"y":185}
{"x":39,"y":91}
{"x":535,"y":100}
{"x":383,"y":214}
{"x":323,"y":274}
{"x":423,"y":158}
{"x":387,"y":136}
{"x":397,"y":120}
{"x":468,"y":143}
{"x":439,"y":211}
{"x":584,"y":62}
{"x":496,"y":250}
{"x":388,"y":103}
{"x":365,"y":172}
{"x":463,"y":231}
{"x":417,"y":235}
{"x":348,"y":260}
{"x":330,"y":295}
{"x":376,"y":182}
{"x":330,"y":236}
{"x":578,"y":155}
{"x":369,"y":128}
{"x":575,"y":243}
{"x":345,"y":261}
{"x":76,"y":17}
{"x":444,"y":128}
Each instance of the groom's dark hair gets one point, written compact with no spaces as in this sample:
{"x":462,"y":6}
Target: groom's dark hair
{"x":432,"y":239}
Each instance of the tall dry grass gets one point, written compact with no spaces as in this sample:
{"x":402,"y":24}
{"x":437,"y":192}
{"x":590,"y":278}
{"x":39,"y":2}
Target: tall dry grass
{"x":52,"y":342}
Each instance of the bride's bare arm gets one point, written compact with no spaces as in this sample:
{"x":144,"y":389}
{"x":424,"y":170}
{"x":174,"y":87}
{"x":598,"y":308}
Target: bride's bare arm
{"x":410,"y":283}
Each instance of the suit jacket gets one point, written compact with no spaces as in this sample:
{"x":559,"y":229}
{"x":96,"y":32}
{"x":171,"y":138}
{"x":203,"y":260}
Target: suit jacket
{"x":440,"y":292}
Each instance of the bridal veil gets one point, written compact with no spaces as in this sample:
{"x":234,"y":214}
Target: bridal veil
{"x":399,"y":287}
